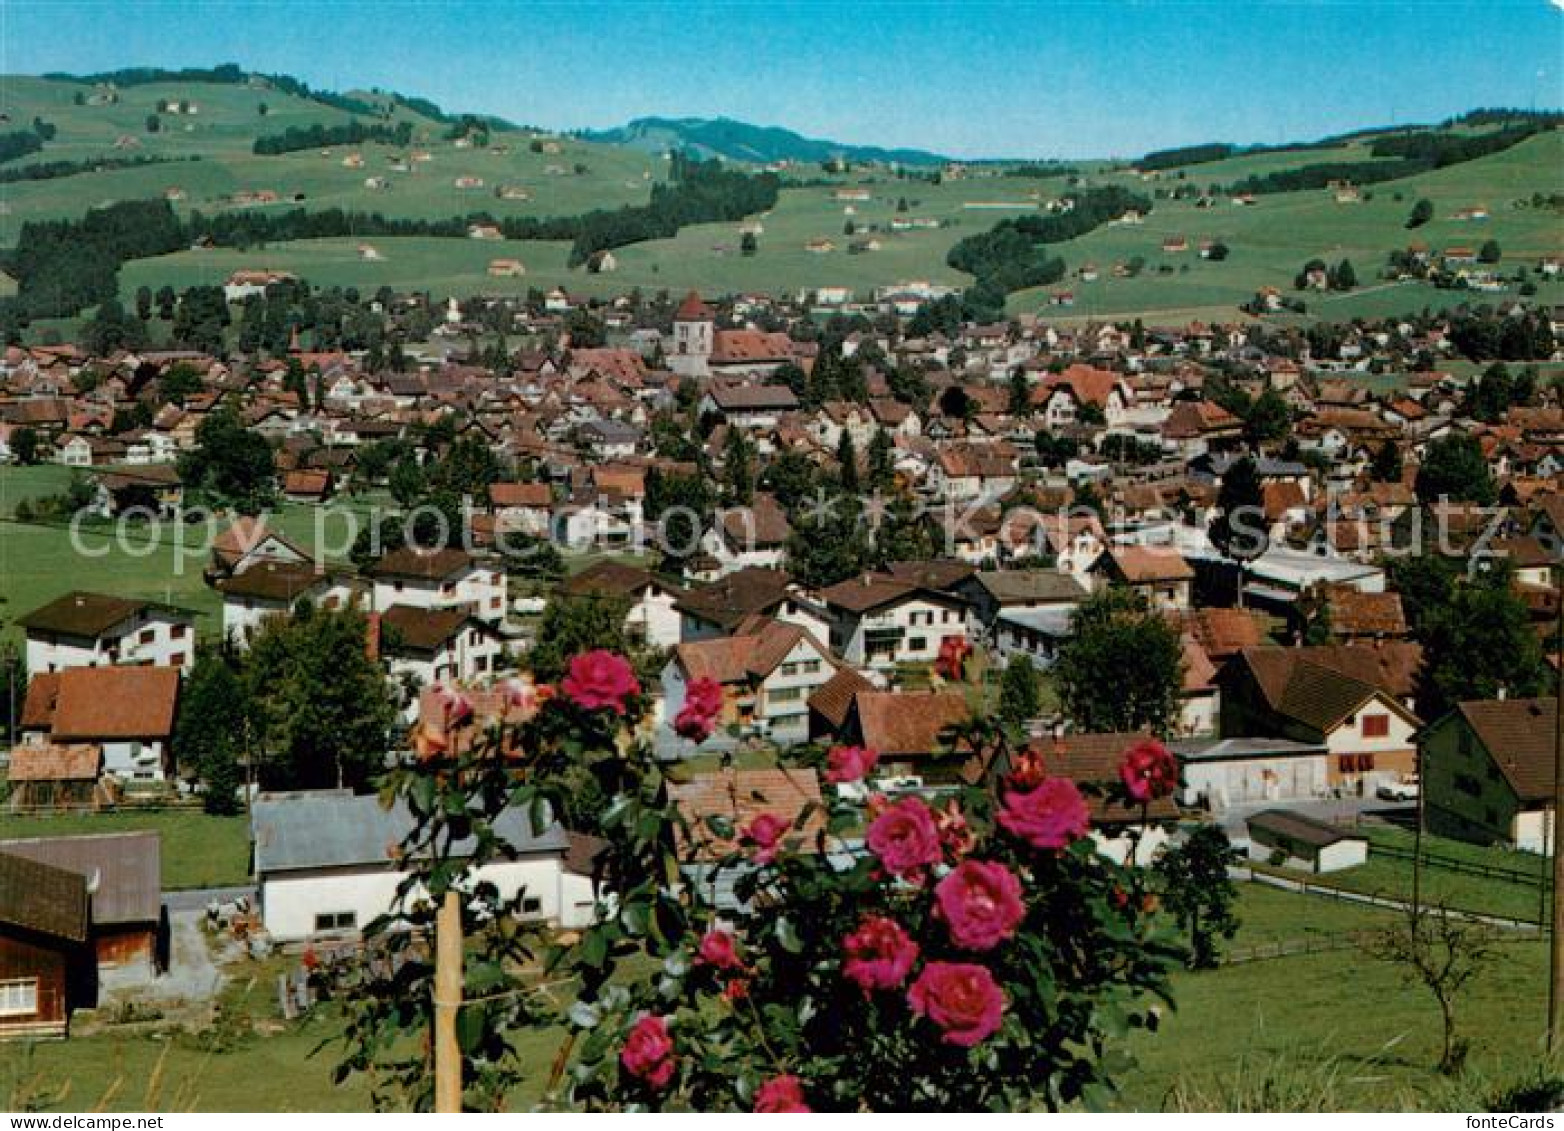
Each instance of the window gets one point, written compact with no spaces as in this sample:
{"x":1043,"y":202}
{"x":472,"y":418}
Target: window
{"x":1355,"y":763}
{"x":18,"y":996}
{"x":336,"y":921}
{"x":178,"y":631}
{"x":786,"y":694}
{"x":1376,"y":726}
{"x":530,"y":905}
{"x":917,"y":644}
{"x":147,"y":636}
{"x":177,"y":660}
{"x":1468,"y":785}
{"x":789,"y":669}
{"x":810,"y":667}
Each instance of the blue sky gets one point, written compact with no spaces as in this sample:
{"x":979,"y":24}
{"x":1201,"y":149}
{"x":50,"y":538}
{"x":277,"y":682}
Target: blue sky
{"x":1062,"y":78}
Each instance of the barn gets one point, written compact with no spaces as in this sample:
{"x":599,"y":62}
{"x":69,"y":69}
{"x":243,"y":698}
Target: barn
{"x":46,"y":966}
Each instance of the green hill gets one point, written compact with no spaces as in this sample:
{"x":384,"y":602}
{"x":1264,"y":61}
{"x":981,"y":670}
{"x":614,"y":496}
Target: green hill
{"x":202,"y":157}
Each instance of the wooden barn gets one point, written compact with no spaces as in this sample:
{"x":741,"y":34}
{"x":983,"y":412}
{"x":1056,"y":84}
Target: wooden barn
{"x":46,"y":966}
{"x":129,"y":927}
{"x":56,"y":778}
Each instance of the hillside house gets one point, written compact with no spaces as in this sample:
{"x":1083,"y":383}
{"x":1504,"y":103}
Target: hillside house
{"x":1487,"y":773}
{"x":46,"y":963}
{"x":423,"y":647}
{"x":651,"y":617}
{"x":879,"y":622}
{"x":275,"y":588}
{"x":84,"y":630}
{"x":127,"y":712}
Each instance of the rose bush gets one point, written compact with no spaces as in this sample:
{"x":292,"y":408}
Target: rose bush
{"x":879,"y":955}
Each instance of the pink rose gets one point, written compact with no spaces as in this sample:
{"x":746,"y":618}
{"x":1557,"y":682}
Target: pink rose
{"x":781,"y":1094}
{"x":600,"y":679}
{"x":980,"y":903}
{"x":879,"y":954}
{"x":1050,"y":816}
{"x":702,"y":704}
{"x":648,"y":1053}
{"x":522,"y":696}
{"x":455,"y":707}
{"x":849,"y":764}
{"x":765,"y":832}
{"x":718,"y":949}
{"x":961,"y":998}
{"x":1149,"y":771}
{"x":905,"y":837}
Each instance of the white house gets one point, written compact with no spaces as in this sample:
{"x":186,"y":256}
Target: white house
{"x":127,"y":712}
{"x":652,"y":616}
{"x":430,"y":646}
{"x":879,"y":622}
{"x":325,"y":865}
{"x":438,"y":579}
{"x":275,"y":589}
{"x":84,"y":630}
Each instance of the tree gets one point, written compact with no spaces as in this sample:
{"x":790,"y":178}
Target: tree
{"x":111,"y":329}
{"x":1269,"y":419}
{"x":1020,"y":399}
{"x":1478,"y":642}
{"x":791,"y":478}
{"x":1020,"y":692}
{"x":1454,"y":467}
{"x":24,"y":446}
{"x":1490,"y":252}
{"x":213,"y":718}
{"x":748,"y":244}
{"x":828,"y":543}
{"x":1422,"y":213}
{"x":847,"y":463}
{"x":577,"y":623}
{"x":230,"y":462}
{"x":407,"y":481}
{"x":1343,"y":277}
{"x":1386,"y":467}
{"x":323,"y":710}
{"x":1443,"y":952}
{"x":154,"y":124}
{"x":1239,"y":528}
{"x":738,"y":469}
{"x":1123,"y":668}
{"x":1197,"y":889}
{"x":882,"y":464}
{"x":1217,"y":252}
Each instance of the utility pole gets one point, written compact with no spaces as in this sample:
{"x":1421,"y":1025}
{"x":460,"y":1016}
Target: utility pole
{"x":447,"y":1001}
{"x":1556,"y":935}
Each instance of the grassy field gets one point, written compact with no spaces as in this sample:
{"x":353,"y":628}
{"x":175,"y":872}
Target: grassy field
{"x":1392,"y":876}
{"x":38,"y":562}
{"x":198,"y":851}
{"x":1340,"y":1016}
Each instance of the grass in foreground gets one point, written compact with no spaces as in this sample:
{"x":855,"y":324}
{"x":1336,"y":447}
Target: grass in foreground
{"x":198,"y":851}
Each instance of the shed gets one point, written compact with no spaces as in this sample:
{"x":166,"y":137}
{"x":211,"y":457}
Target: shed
{"x":1304,"y":843}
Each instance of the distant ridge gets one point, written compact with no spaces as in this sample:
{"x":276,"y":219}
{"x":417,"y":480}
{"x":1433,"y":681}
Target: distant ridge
{"x":741,"y":141}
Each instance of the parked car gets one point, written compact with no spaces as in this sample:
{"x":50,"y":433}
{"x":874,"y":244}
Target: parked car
{"x":1397,"y":791}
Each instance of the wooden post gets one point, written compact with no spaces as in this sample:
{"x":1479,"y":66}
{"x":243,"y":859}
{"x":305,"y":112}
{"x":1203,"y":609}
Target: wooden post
{"x":447,"y":1001}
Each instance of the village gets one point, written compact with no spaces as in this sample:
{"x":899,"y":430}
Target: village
{"x":886,"y":520}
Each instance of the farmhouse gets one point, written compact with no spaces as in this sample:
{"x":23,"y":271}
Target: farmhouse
{"x":438,"y":579}
{"x":879,"y":622}
{"x":767,"y":673}
{"x":275,"y":588}
{"x":126,"y":712}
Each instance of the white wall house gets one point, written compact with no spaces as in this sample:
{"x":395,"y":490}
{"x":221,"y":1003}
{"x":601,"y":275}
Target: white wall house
{"x":438,"y":579}
{"x":275,"y":589}
{"x":323,"y":867}
{"x":430,"y":646}
{"x":85,"y":630}
{"x":878,"y":622}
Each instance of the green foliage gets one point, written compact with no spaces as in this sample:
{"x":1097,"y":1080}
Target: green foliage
{"x":1122,"y":670}
{"x":1020,"y":691}
{"x":1198,"y":891}
{"x":1011,"y":256}
{"x":320,"y":136}
{"x":322,"y":711}
{"x":828,"y":543}
{"x":1422,"y":213}
{"x":577,"y":623}
{"x":1454,"y":467}
{"x":1269,"y":420}
{"x":1239,"y":527}
{"x":1476,"y":642}
{"x":213,"y":719}
{"x":230,"y":463}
